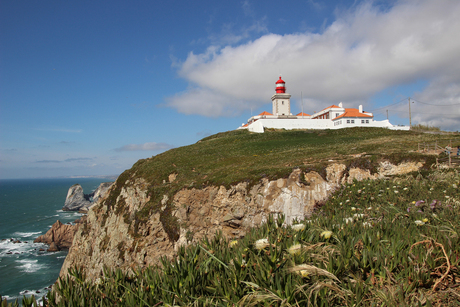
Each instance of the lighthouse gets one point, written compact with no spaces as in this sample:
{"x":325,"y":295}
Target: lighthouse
{"x":281,"y":101}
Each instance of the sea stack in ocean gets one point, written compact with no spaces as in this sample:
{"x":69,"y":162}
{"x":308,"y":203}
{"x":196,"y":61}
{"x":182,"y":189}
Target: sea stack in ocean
{"x":76,"y":200}
{"x":60,"y":236}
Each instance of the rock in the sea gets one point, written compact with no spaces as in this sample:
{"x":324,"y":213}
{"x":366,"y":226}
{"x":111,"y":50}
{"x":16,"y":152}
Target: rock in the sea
{"x":101,"y":191}
{"x":59,"y":234}
{"x":53,"y":247}
{"x":76,"y":200}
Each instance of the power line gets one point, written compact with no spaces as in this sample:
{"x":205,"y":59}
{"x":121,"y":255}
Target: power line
{"x":390,"y":105}
{"x":438,"y":105}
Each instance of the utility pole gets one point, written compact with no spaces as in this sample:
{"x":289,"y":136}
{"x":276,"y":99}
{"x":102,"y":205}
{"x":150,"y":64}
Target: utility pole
{"x":301,"y":98}
{"x":387,"y":114}
{"x":410,"y":117}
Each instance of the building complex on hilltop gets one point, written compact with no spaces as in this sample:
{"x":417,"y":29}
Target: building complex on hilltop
{"x":332,"y":117}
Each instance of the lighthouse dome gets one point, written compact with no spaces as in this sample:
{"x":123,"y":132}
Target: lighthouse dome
{"x":280,"y":86}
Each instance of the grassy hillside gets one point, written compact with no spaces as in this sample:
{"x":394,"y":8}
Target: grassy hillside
{"x":239,"y":156}
{"x":391,"y":242}
{"x":236,"y":156}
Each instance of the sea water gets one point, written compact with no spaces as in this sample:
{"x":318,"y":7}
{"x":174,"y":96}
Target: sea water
{"x":28,"y":208}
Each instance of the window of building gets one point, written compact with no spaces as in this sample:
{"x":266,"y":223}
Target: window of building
{"x":282,"y":102}
{"x":362,"y":121}
{"x":367,"y":121}
{"x":337,"y":114}
{"x":352,"y":121}
{"x":348,"y":121}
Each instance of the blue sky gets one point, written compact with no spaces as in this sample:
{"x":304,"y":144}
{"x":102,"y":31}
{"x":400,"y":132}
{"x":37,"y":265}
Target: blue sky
{"x":89,"y":87}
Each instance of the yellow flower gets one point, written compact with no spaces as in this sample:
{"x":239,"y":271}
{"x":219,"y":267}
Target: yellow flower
{"x":304,"y":273}
{"x":294,"y":249}
{"x":233,"y":243}
{"x":425,"y":220}
{"x":326,"y":234}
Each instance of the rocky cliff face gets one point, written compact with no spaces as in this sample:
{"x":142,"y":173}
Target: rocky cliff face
{"x":117,"y":234}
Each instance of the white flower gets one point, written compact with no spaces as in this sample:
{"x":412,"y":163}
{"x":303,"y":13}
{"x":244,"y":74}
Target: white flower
{"x":326,"y":234}
{"x":447,"y":196}
{"x":405,"y":189}
{"x":370,"y":208}
{"x":294,"y":249}
{"x":261,"y":244}
{"x":348,"y":220}
{"x":454,"y":186}
{"x":98,"y":281}
{"x":358,"y":215}
{"x":419,"y":223}
{"x":353,"y":209}
{"x":347,"y":200}
{"x":298,"y":227}
{"x":367,"y":225}
{"x":396,"y":192}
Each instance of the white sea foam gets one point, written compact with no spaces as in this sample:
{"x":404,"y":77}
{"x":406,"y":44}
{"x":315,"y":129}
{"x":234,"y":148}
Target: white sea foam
{"x":9,"y":247}
{"x":29,"y":265}
{"x":27,"y":234}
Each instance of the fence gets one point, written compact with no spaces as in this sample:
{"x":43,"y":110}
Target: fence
{"x":435,"y":148}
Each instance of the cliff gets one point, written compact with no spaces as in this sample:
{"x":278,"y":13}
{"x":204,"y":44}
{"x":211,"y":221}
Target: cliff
{"x":231,"y":182}
{"x":115,"y":236}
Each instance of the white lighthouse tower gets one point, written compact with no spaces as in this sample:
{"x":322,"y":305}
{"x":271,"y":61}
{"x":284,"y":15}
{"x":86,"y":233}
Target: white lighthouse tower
{"x":281,"y":100}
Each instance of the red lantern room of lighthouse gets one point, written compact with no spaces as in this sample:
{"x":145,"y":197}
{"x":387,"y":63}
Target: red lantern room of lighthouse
{"x":281,"y":101}
{"x":280,"y":86}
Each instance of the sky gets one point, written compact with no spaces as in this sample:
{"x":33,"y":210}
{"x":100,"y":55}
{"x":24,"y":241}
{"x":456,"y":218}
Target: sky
{"x":87,"y":88}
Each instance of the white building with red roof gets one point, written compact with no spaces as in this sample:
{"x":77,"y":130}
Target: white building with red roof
{"x":332,"y":117}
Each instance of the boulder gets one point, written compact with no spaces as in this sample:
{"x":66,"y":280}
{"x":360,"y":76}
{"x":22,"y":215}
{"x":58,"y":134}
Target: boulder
{"x":53,"y":247}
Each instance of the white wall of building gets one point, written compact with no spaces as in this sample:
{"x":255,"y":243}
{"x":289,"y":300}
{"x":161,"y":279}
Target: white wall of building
{"x":290,"y":124}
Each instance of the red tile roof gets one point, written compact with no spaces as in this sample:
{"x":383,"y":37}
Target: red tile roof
{"x":353,"y":113}
{"x":265,"y":113}
{"x":333,"y":106}
{"x":302,"y":114}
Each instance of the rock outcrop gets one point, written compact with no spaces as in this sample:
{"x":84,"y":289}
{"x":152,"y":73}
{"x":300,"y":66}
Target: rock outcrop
{"x":114,"y":235}
{"x":76,"y":200}
{"x":60,"y":236}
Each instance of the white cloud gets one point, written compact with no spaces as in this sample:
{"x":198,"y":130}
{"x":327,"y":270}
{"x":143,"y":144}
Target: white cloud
{"x":144,"y":147}
{"x":365,"y":51}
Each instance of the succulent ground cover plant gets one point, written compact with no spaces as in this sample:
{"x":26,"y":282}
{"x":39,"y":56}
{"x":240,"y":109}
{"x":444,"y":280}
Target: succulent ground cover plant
{"x":390,"y":242}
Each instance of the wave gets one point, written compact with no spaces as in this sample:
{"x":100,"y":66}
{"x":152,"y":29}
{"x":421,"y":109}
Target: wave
{"x":27,"y":234}
{"x":29,"y":265}
{"x":15,"y":247}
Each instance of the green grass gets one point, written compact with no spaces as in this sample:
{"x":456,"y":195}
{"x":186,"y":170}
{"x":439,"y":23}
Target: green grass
{"x":239,"y":156}
{"x":391,"y":242}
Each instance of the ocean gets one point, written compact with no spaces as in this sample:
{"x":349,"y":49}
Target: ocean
{"x":28,"y":208}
